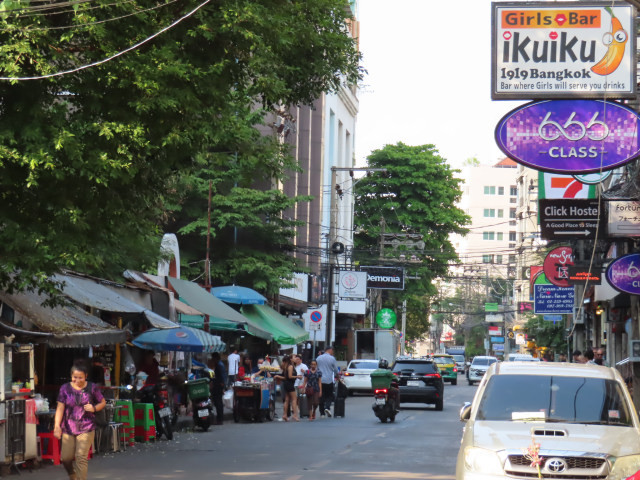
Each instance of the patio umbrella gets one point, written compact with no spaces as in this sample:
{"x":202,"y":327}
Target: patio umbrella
{"x":182,"y":339}
{"x":238,"y":295}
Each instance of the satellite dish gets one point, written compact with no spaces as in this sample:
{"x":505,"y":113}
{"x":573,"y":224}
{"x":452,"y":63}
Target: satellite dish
{"x":337,"y":248}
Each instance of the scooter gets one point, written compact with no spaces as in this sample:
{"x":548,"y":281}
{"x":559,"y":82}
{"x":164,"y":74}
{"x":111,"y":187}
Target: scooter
{"x":386,"y":403}
{"x":158,"y":396}
{"x":202,"y":406}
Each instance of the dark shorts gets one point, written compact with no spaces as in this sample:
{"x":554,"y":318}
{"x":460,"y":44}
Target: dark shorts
{"x":288,"y":386}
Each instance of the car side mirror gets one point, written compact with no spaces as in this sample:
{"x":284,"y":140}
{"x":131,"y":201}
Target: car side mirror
{"x":465,"y":412}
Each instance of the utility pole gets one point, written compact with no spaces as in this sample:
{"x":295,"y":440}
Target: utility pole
{"x":333,"y":239}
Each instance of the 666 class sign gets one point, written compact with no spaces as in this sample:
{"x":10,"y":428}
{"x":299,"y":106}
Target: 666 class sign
{"x":570,"y":136}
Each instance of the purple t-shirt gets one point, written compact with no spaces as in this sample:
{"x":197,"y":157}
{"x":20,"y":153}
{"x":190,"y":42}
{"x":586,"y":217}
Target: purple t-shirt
{"x":75,"y":419}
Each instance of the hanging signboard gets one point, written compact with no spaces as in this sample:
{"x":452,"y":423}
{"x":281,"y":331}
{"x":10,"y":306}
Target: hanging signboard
{"x":567,"y":219}
{"x":384,"y":278}
{"x":352,"y":284}
{"x":570,"y":136}
{"x":624,"y":273}
{"x":581,"y":275}
{"x":624,"y":218}
{"x":562,"y":49}
{"x":555,"y":185}
{"x":553,"y":299}
{"x":556,"y":265}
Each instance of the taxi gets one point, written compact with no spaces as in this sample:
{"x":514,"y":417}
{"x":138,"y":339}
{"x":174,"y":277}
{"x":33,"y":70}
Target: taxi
{"x":447,"y":365}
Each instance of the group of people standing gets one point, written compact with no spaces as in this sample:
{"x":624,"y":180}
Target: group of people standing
{"x":592,"y":357}
{"x":315,"y":381}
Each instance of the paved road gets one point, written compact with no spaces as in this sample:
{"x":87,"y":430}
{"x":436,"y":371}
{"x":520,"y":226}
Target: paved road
{"x":421,"y":444}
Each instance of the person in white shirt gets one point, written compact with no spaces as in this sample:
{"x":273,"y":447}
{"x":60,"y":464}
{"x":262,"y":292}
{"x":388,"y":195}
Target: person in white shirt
{"x":234,"y":361}
{"x":301,"y":369}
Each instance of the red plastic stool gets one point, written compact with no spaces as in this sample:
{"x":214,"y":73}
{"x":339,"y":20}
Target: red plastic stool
{"x":52,"y":452}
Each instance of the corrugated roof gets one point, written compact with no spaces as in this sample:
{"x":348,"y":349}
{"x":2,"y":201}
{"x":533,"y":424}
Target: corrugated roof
{"x":61,"y":326}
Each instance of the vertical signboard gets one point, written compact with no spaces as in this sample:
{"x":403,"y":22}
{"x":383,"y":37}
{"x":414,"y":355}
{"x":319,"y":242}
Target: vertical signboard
{"x":563,"y":49}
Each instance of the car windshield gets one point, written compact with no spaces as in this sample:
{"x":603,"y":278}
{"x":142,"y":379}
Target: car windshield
{"x":363,"y":364}
{"x":408,"y":368}
{"x":483,"y":361}
{"x":443,"y":360}
{"x":458,"y":358}
{"x":554,"y":399}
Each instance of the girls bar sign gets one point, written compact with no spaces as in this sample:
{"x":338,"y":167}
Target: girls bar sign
{"x":563,"y":49}
{"x":570,"y":136}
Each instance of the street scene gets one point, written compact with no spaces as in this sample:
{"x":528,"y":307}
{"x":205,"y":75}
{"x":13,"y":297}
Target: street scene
{"x":319,"y":239}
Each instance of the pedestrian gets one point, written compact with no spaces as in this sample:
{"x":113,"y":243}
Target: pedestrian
{"x":234,"y":363}
{"x":218,"y":385}
{"x":75,"y":422}
{"x":312,"y":385}
{"x":329,"y":368}
{"x":589,"y":356}
{"x":288,"y":378}
{"x":577,"y":355}
{"x":599,"y":356}
{"x":562,"y":357}
{"x":301,"y":368}
{"x":244,"y":370}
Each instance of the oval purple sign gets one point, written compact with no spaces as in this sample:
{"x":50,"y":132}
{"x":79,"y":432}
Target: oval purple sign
{"x":570,"y":136}
{"x":624,"y":274}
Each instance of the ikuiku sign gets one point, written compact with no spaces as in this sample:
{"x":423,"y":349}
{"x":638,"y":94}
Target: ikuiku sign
{"x":570,"y":136}
{"x":624,"y":273}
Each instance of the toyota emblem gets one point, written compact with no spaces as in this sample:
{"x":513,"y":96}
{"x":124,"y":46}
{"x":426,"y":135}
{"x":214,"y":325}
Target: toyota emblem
{"x":556,"y":465}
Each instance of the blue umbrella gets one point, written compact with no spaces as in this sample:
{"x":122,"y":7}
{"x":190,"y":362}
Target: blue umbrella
{"x":182,"y":339}
{"x":239,"y":295}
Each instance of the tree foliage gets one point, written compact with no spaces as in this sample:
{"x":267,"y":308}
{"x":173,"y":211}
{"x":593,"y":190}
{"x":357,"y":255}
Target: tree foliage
{"x":93,"y":161}
{"x":416,"y":195}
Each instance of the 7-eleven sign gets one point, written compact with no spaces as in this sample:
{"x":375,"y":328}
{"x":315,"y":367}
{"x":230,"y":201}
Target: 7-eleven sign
{"x":554,"y":185}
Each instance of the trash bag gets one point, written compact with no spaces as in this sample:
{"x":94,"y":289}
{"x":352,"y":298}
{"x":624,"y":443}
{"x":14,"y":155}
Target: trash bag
{"x":227,"y":399}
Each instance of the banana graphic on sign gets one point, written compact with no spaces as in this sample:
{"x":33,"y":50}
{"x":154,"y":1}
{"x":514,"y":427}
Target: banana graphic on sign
{"x":616,"y":40}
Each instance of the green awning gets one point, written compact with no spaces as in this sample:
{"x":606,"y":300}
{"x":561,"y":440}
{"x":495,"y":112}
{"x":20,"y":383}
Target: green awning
{"x":220,"y":314}
{"x":197,"y":321}
{"x":284,"y":331}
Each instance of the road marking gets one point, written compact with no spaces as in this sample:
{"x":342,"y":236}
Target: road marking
{"x":320,"y":464}
{"x":381,"y":434}
{"x":365,"y":442}
{"x":344,"y":452}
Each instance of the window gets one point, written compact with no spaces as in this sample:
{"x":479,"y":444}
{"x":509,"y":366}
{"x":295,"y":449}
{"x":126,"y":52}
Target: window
{"x":513,"y":200}
{"x":500,"y":213}
{"x":512,"y":213}
{"x":487,"y":258}
{"x":500,"y":190}
{"x":489,"y":212}
{"x":512,"y":258}
{"x":489,"y":190}
{"x":512,"y":236}
{"x":487,"y":235}
{"x":513,"y":190}
{"x":499,"y":236}
{"x":498,"y":258}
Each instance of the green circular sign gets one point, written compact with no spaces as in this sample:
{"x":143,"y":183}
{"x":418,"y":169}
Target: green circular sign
{"x":386,"y":318}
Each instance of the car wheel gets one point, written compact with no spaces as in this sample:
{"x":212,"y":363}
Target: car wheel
{"x":439,"y":404}
{"x":383,"y":419}
{"x":470,"y":382}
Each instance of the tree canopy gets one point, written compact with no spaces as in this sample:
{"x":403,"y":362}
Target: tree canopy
{"x":94,"y":161}
{"x":414,"y":202}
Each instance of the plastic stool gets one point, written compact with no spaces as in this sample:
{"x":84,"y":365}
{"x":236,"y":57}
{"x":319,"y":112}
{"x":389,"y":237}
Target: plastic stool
{"x":117,"y":440}
{"x":52,"y":452}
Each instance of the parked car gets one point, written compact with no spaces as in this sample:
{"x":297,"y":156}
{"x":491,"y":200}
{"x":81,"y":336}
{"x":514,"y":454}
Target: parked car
{"x":581,"y":417}
{"x":447,"y":366}
{"x":478,"y":367}
{"x":357,"y":376}
{"x":419,"y":381}
{"x":460,"y":361}
{"x":521,"y":357}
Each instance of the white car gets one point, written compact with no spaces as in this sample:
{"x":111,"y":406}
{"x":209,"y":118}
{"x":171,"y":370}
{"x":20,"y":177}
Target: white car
{"x":357,"y":376}
{"x":521,"y":357}
{"x":556,"y":421}
{"x":478,"y":367}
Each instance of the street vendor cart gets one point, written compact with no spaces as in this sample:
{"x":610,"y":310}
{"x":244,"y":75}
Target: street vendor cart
{"x":254,"y":401}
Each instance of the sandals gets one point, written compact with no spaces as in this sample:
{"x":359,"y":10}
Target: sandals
{"x":286,"y":419}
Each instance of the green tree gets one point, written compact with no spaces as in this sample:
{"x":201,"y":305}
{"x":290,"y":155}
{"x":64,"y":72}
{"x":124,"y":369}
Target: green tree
{"x":547,"y":334}
{"x":416,"y":196}
{"x":91,"y":160}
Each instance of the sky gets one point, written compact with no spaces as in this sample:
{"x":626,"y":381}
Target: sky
{"x":429,"y":79}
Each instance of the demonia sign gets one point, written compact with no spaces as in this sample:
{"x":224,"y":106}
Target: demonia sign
{"x":570,"y":136}
{"x":624,"y":274}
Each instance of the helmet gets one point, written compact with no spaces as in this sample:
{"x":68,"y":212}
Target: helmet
{"x":383,"y":363}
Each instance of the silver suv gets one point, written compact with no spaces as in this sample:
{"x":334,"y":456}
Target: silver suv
{"x":478,"y":367}
{"x":579,"y":421}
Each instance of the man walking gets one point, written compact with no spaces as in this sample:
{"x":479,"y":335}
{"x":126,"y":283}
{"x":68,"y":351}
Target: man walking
{"x":218,"y":385}
{"x":234,"y":363}
{"x":329,"y":369}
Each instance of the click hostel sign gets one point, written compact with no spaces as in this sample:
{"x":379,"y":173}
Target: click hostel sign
{"x":568,"y":219}
{"x":562,"y":49}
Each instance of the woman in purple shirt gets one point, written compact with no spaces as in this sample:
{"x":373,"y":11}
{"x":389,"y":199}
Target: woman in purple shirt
{"x":78,"y":402}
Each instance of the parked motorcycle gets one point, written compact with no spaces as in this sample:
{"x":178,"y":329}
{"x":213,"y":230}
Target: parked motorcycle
{"x":159,"y":397}
{"x":201,"y":403}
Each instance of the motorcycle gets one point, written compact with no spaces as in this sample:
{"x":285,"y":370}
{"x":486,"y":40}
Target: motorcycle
{"x":386,"y":403}
{"x":159,"y":397}
{"x":201,"y":403}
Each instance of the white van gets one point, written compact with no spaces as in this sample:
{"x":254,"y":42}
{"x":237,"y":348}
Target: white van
{"x":579,"y":418}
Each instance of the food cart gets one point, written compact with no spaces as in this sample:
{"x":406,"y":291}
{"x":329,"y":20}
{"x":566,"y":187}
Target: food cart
{"x":255,"y":400}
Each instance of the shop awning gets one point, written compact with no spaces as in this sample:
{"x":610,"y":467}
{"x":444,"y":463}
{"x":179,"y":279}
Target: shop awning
{"x":61,"y":326}
{"x":88,"y":292}
{"x":220,"y":314}
{"x":284,"y":331}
